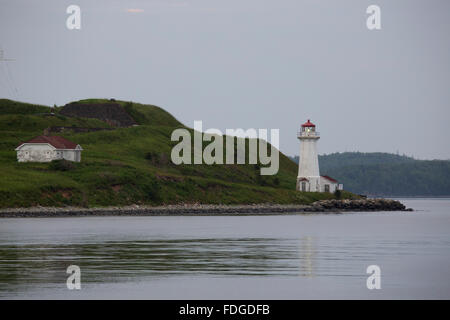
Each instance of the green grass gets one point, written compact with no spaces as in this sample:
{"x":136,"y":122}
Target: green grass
{"x":130,"y":166}
{"x":15,"y":107}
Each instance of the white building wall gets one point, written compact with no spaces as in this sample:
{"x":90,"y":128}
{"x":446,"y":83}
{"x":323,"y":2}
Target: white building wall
{"x":308,"y":159}
{"x":333,"y":186}
{"x":36,"y":153}
{"x":72,"y":155}
{"x":301,"y":184}
{"x":309,"y":163}
{"x":69,"y":155}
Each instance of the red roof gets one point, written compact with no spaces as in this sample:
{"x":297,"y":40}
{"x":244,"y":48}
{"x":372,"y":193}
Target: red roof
{"x":330,"y":178}
{"x":56,"y":141}
{"x":308,"y":124}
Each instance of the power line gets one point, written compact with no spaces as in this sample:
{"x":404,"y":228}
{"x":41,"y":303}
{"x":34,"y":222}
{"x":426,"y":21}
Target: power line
{"x":9,"y":79}
{"x":5,"y":82}
{"x":12,"y":80}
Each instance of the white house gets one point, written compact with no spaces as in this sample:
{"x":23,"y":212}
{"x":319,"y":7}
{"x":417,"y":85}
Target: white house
{"x":48,"y":148}
{"x":309,"y":178}
{"x":328,"y":184}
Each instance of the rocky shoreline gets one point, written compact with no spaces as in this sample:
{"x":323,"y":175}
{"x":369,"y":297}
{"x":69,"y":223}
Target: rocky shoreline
{"x":322,"y":206}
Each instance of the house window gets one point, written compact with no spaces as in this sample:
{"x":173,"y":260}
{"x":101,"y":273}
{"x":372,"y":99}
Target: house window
{"x":303,"y":186}
{"x":327,"y":188}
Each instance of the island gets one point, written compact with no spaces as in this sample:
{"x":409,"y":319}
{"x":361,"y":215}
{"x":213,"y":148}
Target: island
{"x":123,"y":165}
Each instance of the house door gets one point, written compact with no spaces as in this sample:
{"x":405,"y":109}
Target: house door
{"x":327,"y":188}
{"x":303,"y":186}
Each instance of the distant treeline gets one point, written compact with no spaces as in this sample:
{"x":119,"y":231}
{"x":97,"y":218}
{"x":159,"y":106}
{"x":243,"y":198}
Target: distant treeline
{"x":387,"y":174}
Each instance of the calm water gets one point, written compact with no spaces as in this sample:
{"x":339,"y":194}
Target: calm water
{"x":260,"y":257}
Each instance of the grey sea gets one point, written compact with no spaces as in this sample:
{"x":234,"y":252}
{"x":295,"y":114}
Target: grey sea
{"x":305,"y":256}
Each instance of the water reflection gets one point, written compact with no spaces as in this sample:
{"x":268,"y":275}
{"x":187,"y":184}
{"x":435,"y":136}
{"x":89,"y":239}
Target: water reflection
{"x":268,"y":257}
{"x":124,"y":260}
{"x":32,"y":264}
{"x":308,"y":253}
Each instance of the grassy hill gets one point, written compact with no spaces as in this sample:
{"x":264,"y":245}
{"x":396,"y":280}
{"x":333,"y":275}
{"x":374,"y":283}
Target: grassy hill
{"x":386,"y":174}
{"x":127,"y":165}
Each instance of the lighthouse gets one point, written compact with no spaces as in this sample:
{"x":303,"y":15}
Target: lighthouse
{"x":309,"y":178}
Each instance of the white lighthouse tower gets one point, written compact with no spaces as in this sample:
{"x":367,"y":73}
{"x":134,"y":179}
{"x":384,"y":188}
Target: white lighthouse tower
{"x":308,"y":178}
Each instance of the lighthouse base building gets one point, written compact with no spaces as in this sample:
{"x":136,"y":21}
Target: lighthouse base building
{"x":309,"y":179}
{"x":323,"y":184}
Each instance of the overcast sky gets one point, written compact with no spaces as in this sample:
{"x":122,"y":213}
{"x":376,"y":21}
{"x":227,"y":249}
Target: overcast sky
{"x":247,"y":64}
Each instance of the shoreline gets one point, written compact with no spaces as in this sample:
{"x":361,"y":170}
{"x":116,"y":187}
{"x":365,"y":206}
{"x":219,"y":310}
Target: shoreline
{"x":320,"y":207}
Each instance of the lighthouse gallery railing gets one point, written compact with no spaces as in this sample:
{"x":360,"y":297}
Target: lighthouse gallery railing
{"x":308,"y":134}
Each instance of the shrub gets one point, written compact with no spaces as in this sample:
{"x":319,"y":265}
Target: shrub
{"x":157,"y":159}
{"x":150,"y":156}
{"x":276,"y":181}
{"x":61,"y":165}
{"x":338,"y":194}
{"x":152,"y":189}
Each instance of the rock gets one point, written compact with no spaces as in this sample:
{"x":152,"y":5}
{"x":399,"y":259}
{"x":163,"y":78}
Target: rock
{"x":331,"y":206}
{"x":360,"y":205}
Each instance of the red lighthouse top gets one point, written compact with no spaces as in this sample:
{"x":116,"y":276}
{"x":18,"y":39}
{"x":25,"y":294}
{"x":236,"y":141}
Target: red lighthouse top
{"x":308,"y":124}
